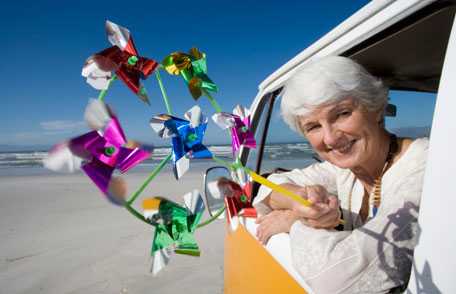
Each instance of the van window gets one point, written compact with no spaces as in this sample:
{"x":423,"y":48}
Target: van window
{"x":284,"y":148}
{"x":415,"y":111}
{"x":253,"y":155}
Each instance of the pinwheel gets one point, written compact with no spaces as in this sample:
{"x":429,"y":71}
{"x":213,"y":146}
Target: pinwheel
{"x":192,"y":67}
{"x":237,"y":199}
{"x":123,"y":59}
{"x":100,"y":152}
{"x":187,"y":137}
{"x":239,"y":124}
{"x":174,"y":226}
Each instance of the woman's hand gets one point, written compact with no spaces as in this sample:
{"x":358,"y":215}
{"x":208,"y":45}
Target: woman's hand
{"x":275,"y":222}
{"x":324,"y":213}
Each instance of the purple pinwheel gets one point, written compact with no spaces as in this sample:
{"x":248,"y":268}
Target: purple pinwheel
{"x":187,"y":137}
{"x":239,"y":124}
{"x":101,"y":152}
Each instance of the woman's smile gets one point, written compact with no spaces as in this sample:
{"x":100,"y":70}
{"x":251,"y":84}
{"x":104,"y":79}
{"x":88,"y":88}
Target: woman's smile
{"x":343,"y":149}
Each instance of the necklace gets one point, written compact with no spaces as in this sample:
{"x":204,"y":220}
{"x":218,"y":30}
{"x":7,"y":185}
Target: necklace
{"x":375,"y":195}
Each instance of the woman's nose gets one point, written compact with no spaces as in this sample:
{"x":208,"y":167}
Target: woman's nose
{"x":331,"y":136}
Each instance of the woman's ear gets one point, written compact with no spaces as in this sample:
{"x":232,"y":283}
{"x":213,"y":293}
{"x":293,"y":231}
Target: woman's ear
{"x":380,"y":117}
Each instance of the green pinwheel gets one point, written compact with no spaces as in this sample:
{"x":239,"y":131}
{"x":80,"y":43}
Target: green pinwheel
{"x":192,"y":67}
{"x":174,"y":227}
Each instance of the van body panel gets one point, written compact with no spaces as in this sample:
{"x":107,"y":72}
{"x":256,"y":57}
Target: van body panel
{"x":249,"y":268}
{"x":434,"y":259}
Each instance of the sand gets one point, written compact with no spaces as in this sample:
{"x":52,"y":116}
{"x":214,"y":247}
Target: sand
{"x":59,"y":235}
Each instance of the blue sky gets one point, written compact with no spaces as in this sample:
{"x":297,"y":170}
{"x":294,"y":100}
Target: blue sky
{"x":45,"y":44}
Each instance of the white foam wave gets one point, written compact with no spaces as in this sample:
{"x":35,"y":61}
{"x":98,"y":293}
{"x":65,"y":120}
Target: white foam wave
{"x":272,"y":152}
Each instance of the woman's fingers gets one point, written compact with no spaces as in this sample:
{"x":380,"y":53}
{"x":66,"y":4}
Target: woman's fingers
{"x":264,"y":236}
{"x":327,"y":221}
{"x":264,"y":231}
{"x":315,"y":211}
{"x":263,"y":227}
{"x":319,"y":197}
{"x":333,"y":202}
{"x":317,"y":194}
{"x":260,"y":219}
{"x":277,"y":221}
{"x":330,"y":219}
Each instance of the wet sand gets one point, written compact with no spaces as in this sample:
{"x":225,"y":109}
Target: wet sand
{"x":59,"y":235}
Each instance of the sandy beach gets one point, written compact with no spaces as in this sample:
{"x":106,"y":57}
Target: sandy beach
{"x":59,"y":235}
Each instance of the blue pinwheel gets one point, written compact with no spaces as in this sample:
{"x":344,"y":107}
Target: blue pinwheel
{"x":187,"y":137}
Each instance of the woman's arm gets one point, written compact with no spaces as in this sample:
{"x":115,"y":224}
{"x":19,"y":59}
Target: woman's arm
{"x":324,"y":213}
{"x":373,"y":258}
{"x":307,"y":183}
{"x":323,"y":174}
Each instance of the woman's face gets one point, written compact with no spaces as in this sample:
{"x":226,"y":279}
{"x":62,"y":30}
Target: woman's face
{"x":343,"y":133}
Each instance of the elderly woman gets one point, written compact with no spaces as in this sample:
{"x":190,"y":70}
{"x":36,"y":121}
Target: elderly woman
{"x":369,"y":178}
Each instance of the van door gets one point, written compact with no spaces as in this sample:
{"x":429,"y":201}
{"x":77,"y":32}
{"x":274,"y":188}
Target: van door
{"x":433,"y":267}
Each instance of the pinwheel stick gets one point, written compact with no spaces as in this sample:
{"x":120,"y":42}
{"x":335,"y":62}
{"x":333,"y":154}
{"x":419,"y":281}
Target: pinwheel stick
{"x":212,"y":101}
{"x":103,"y":93}
{"x":162,"y":89}
{"x":135,"y":213}
{"x":151,"y":176}
{"x":211,"y":219}
{"x":265,"y":182}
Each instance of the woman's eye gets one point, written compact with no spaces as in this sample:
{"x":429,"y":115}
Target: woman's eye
{"x":311,"y":128}
{"x":344,"y":113}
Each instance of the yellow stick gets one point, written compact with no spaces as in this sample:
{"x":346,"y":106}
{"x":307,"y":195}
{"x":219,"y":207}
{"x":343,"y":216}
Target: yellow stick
{"x":265,"y":182}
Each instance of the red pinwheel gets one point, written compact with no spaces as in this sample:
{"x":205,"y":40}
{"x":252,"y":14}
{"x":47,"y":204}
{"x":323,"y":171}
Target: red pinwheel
{"x":123,"y":59}
{"x":237,"y":199}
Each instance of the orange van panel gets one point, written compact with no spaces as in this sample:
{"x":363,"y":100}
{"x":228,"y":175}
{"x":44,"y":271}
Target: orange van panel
{"x":250,"y":269}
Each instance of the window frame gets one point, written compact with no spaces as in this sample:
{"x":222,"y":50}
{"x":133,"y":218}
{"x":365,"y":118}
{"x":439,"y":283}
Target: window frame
{"x":266,"y":100}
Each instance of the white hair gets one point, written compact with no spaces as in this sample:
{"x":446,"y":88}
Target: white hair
{"x":328,"y":80}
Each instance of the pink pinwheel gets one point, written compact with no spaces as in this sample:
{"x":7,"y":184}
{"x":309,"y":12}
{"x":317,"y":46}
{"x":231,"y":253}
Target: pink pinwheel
{"x":123,"y":59}
{"x":239,"y":124}
{"x":100,"y":151}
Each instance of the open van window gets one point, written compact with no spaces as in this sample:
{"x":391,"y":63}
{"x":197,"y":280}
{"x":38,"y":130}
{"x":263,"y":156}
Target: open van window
{"x":415,"y":111}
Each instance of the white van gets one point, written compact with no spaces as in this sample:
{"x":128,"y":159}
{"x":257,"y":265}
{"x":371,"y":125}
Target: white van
{"x":411,"y":44}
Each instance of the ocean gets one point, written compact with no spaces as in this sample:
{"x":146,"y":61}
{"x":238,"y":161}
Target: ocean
{"x":287,"y":154}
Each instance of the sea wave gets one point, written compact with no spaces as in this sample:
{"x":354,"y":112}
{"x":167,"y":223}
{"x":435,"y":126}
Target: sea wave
{"x":271,"y":152}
